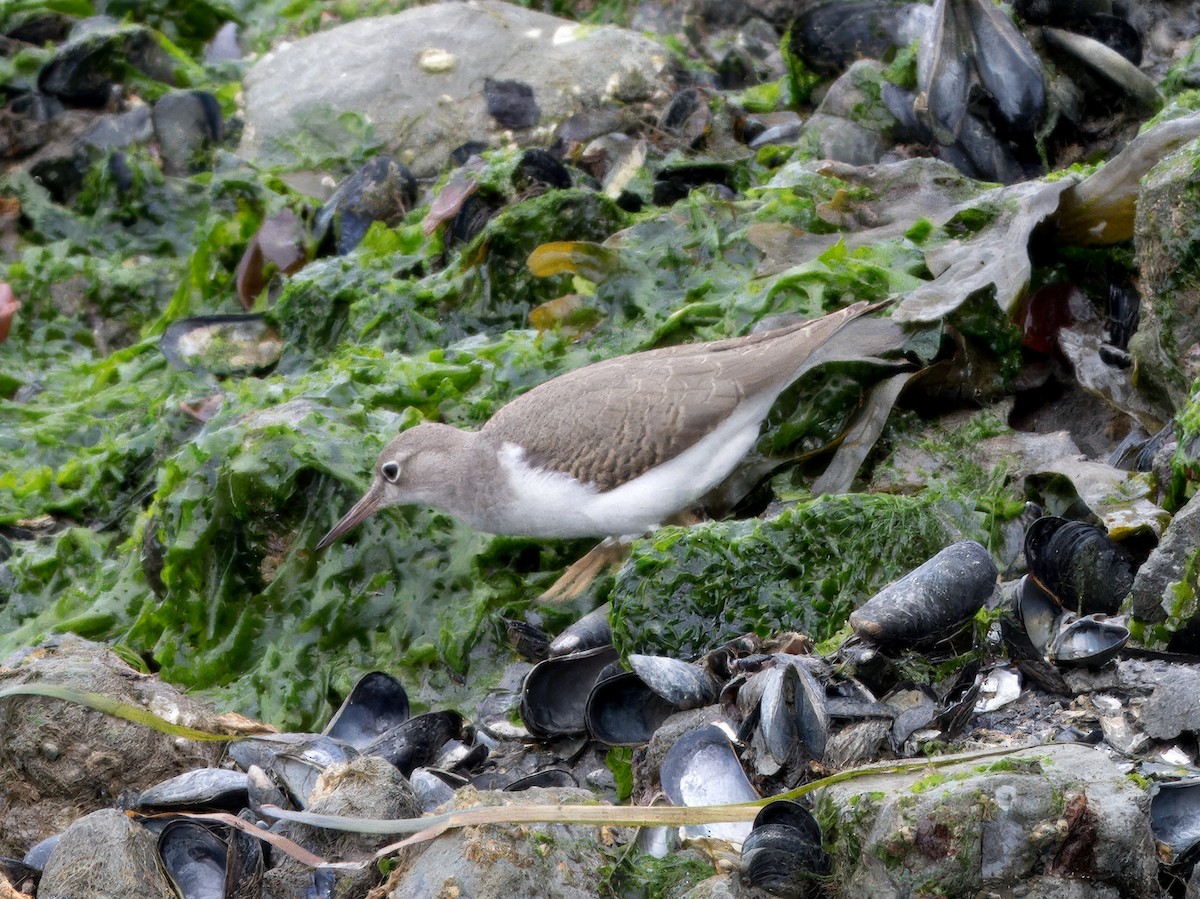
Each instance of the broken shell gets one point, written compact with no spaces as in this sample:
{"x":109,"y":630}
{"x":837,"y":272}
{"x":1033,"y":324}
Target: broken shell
{"x":375,"y":705}
{"x":1174,"y":821}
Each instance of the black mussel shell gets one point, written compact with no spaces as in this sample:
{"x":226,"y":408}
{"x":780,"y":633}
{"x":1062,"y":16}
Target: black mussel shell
{"x":777,"y":710}
{"x":812,"y":714}
{"x":555,"y":693}
{"x":201,"y":788}
{"x":684,"y":685}
{"x":1090,"y":641}
{"x":623,"y":711}
{"x":194,"y":858}
{"x":589,"y":632}
{"x":431,"y":788}
{"x":1114,"y":32}
{"x":783,"y":853}
{"x":540,"y":169}
{"x":511,"y":103}
{"x":416,"y":742}
{"x":830,"y":36}
{"x":1078,"y":565}
{"x":1175,"y":821}
{"x":20,"y":875}
{"x":529,"y":641}
{"x":39,"y":852}
{"x":931,"y":601}
{"x":222,"y":344}
{"x":1007,"y":67}
{"x":382,"y":190}
{"x":376,"y":704}
{"x":673,"y":183}
{"x":295,"y":760}
{"x":547,"y":777}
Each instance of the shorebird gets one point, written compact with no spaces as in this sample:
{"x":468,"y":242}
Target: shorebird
{"x":612,"y":450}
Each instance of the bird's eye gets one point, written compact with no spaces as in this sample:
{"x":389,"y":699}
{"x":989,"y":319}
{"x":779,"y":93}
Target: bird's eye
{"x":391,"y":471}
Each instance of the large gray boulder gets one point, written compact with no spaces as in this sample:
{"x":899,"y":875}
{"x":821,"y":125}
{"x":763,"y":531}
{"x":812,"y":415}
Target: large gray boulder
{"x":1063,"y":814}
{"x":419,"y":78}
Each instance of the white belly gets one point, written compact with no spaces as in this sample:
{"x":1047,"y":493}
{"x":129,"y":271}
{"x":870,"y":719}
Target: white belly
{"x":556,"y":505}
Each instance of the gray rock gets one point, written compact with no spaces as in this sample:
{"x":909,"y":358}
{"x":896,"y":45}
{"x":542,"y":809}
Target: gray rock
{"x":1165,"y":345}
{"x":1063,"y":810}
{"x":419,"y":78}
{"x":848,"y":125}
{"x":1164,"y":590}
{"x":60,"y":759}
{"x":553,"y":861}
{"x":105,"y":855}
{"x":1173,"y":706}
{"x":365,"y":787}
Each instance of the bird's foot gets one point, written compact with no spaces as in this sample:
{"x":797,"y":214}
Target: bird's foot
{"x":605,"y":555}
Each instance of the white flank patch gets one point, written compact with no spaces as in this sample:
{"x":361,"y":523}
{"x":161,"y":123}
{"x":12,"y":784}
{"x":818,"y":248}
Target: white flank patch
{"x":556,"y":505}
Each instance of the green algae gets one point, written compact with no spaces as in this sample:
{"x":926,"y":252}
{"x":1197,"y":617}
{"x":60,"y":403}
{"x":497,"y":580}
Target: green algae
{"x":188,"y":543}
{"x":686,"y":591}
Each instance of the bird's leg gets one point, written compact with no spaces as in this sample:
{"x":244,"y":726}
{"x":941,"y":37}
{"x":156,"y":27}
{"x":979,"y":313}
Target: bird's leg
{"x":607,"y":554}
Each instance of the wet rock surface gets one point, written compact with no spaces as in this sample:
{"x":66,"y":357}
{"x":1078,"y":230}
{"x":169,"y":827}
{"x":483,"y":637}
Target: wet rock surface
{"x":425,"y":96}
{"x":1066,"y":812}
{"x":529,"y":860}
{"x":68,"y":759}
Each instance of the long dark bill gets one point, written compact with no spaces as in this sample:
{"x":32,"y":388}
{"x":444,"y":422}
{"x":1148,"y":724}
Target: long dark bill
{"x":371,"y":503}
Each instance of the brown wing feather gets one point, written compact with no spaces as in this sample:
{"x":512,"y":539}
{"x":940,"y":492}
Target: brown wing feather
{"x":603,"y":424}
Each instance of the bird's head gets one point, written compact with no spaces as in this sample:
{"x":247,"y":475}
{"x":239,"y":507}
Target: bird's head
{"x":411,"y":470}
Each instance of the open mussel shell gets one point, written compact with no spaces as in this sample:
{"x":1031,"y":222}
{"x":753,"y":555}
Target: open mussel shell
{"x":783,"y":853}
{"x":1175,"y":821}
{"x":1078,"y":565}
{"x":701,"y":768}
{"x":222,"y":344}
{"x":931,"y":601}
{"x":376,"y":704}
{"x":555,"y":693}
{"x":1037,"y":613}
{"x":626,"y":709}
{"x":416,"y":742}
{"x":200,"y":788}
{"x":294,"y":760}
{"x":194,"y":858}
{"x":623,"y":711}
{"x":1090,"y":641}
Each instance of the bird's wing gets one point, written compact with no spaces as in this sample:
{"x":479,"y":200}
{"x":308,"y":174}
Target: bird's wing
{"x":607,"y":423}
